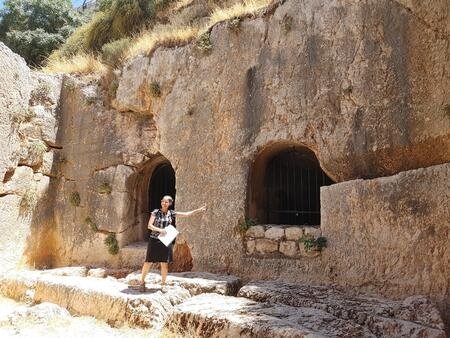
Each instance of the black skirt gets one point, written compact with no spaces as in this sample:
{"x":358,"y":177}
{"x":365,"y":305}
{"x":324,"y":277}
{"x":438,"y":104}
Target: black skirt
{"x":158,"y":252}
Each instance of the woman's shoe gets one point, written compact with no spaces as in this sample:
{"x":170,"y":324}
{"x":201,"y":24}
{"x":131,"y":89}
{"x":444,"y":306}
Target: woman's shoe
{"x":142,"y":287}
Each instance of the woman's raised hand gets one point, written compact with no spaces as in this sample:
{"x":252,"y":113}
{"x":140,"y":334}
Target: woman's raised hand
{"x":202,"y":208}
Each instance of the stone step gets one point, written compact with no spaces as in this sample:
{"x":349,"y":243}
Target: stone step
{"x":213,"y":315}
{"x":110,"y":299}
{"x":416,"y":316}
{"x":133,"y":255}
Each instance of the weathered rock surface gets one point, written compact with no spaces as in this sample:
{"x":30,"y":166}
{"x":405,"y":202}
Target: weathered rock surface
{"x":396,"y":241}
{"x":212,"y":315}
{"x":198,"y":282}
{"x":110,"y":299}
{"x":104,"y":298}
{"x":416,"y":316}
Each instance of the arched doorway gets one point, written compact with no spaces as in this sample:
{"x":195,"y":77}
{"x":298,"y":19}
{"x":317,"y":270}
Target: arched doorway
{"x":284,"y":186}
{"x":161,"y":183}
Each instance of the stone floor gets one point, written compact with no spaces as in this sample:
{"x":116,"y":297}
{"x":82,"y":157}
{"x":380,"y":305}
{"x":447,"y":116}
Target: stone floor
{"x":208,"y":305}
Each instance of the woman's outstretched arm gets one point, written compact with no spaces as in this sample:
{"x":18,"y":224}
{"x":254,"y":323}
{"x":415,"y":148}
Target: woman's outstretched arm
{"x":192,"y":212}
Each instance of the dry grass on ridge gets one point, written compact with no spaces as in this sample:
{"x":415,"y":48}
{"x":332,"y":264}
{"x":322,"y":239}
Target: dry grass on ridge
{"x":160,"y":35}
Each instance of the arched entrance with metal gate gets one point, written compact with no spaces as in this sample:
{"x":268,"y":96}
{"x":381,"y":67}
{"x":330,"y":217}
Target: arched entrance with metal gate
{"x":284,"y":186}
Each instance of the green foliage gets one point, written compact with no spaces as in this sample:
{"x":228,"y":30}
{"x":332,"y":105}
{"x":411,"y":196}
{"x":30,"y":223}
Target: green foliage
{"x":286,"y":24}
{"x":115,"y":21}
{"x":204,"y":43}
{"x":34,"y":28}
{"x":155,"y":90}
{"x":104,"y":188}
{"x":75,"y":199}
{"x":91,"y":224}
{"x":247,"y":223}
{"x":314,"y":244}
{"x":112,"y":244}
{"x":113,"y":52}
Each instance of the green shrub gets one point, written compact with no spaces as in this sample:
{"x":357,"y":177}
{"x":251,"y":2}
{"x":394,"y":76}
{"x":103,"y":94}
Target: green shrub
{"x":116,"y":20}
{"x":104,"y":188}
{"x":114,"y":52}
{"x":286,"y":24}
{"x":91,"y":224}
{"x":75,"y":199}
{"x":314,"y":244}
{"x":246,"y":224}
{"x":204,"y":43}
{"x":155,"y":90}
{"x":34,"y":28}
{"x":234,"y":24}
{"x":112,"y":244}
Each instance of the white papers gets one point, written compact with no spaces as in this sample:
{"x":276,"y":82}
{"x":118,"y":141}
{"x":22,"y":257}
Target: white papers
{"x":170,"y":235}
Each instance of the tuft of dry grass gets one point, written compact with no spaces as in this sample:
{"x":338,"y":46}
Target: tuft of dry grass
{"x":161,"y":36}
{"x":77,"y":64}
{"x":237,"y":10}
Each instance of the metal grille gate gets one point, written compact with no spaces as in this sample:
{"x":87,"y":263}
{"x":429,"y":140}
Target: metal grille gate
{"x":292,"y":183}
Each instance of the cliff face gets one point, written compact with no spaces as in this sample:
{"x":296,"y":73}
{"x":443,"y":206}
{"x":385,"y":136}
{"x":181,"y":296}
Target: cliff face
{"x":365,"y":85}
{"x":28,"y":126}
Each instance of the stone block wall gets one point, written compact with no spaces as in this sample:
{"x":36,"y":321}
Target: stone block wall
{"x":268,"y":241}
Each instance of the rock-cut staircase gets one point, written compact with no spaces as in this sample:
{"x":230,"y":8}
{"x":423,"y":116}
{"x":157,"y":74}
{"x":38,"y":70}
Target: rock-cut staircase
{"x":208,"y":305}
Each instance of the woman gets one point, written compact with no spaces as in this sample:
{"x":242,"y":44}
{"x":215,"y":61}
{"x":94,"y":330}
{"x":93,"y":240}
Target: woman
{"x":157,"y":252}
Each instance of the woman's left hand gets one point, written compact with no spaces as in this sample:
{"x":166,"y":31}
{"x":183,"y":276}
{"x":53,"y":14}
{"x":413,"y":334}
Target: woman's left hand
{"x":203,"y":208}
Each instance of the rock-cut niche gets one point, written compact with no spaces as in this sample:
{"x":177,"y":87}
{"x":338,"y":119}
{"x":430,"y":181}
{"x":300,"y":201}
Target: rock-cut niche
{"x":285,"y":183}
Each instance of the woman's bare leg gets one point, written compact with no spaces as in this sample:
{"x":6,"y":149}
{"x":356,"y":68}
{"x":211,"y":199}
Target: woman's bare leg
{"x":164,"y":269}
{"x":145,"y":270}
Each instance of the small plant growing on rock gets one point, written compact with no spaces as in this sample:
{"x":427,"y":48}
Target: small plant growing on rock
{"x":112,"y":90}
{"x":104,"y":188}
{"x":37,"y":149}
{"x":91,"y":224}
{"x":348,"y":90}
{"x":69,"y":86}
{"x":40,"y":93}
{"x":246,"y":224}
{"x":90,"y":100}
{"x":28,"y":200}
{"x":314,"y":244}
{"x":286,"y":24}
{"x":75,"y":199}
{"x":22,"y":115}
{"x":112,"y":244}
{"x":234,"y":24}
{"x":155,"y":89}
{"x":204,"y":43}
{"x":447,"y":109}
